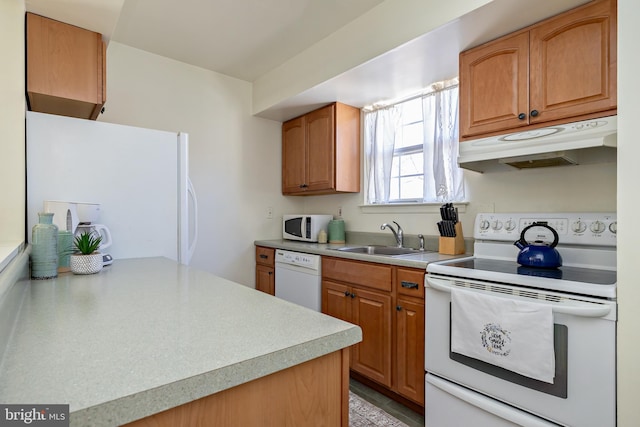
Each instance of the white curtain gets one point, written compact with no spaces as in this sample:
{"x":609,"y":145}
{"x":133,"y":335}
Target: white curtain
{"x":380,"y":135}
{"x":443,"y":178}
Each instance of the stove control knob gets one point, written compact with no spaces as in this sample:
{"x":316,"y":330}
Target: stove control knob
{"x":496,"y":225}
{"x":613,"y":227}
{"x":597,"y":227}
{"x":510,"y":225}
{"x":578,"y":227}
{"x":484,"y":225}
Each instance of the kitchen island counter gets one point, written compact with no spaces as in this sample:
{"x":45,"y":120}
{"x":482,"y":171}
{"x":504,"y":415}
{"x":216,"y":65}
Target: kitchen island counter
{"x":145,"y":335}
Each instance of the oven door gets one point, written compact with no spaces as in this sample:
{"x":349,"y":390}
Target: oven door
{"x":583,"y":392}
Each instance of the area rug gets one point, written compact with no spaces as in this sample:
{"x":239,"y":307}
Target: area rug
{"x":364,"y":414}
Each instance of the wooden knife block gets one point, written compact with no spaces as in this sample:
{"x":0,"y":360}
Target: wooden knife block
{"x":452,"y":245}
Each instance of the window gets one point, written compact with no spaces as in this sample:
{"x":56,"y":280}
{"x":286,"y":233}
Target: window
{"x":411,"y":149}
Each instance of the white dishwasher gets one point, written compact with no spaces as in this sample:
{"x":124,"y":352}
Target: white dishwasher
{"x":298,"y":278}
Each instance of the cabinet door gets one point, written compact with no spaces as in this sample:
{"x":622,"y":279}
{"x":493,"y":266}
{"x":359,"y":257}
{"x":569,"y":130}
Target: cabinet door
{"x":65,"y":68}
{"x":494,"y":81}
{"x":573,"y":63}
{"x":336,"y":300}
{"x":372,"y":357}
{"x":294,"y":155}
{"x":320,"y":134}
{"x":410,"y":349}
{"x":265,"y":279}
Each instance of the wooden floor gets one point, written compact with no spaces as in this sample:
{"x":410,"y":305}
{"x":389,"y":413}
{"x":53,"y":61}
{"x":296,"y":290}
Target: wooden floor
{"x":402,"y":413}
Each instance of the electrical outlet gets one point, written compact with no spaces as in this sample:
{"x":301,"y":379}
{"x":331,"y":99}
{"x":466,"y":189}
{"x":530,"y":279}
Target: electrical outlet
{"x":269,"y":212}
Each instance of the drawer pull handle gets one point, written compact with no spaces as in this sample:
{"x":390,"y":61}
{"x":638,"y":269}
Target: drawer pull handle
{"x":410,"y":285}
{"x":263,"y":256}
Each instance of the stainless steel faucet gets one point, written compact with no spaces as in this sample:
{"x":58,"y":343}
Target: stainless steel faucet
{"x":398,"y":235}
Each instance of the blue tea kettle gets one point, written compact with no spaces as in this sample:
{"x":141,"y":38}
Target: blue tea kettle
{"x":538,"y":254}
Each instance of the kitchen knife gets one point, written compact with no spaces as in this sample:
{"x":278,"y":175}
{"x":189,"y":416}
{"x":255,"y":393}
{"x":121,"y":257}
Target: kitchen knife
{"x":449,"y":228}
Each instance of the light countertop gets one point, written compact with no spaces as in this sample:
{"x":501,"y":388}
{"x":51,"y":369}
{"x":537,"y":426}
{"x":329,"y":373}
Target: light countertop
{"x":417,"y":260}
{"x":148,"y":334}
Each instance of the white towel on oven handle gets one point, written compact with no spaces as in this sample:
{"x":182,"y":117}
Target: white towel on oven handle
{"x":515,"y":335}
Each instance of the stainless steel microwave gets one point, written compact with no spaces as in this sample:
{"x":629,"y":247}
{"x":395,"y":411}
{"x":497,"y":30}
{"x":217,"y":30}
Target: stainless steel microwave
{"x":304,"y":227}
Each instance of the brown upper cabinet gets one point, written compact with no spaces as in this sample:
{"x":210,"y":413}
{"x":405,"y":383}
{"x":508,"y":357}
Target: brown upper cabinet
{"x":321,"y":152}
{"x":65,"y":68}
{"x":559,"y":70}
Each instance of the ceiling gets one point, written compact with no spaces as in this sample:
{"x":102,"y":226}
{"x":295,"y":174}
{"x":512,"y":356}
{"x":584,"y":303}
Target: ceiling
{"x":247,"y":38}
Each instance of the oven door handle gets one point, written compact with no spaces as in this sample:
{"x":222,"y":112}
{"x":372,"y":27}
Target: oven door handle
{"x":590,"y":310}
{"x":486,"y":404}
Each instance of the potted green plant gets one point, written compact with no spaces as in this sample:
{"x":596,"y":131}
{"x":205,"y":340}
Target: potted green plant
{"x":86,"y":259}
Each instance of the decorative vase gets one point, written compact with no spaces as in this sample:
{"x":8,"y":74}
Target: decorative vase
{"x":44,"y":248}
{"x":86,"y":264}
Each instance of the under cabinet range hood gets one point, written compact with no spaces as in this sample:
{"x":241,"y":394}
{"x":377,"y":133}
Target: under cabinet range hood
{"x":584,"y":142}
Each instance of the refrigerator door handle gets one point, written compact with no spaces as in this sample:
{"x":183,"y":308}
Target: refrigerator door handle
{"x":192,"y":193}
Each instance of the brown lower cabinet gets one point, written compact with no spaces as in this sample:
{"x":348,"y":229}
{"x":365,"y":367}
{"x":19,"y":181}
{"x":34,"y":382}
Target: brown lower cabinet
{"x":371,"y":310}
{"x":265,"y":270}
{"x":409,"y":338}
{"x":315,"y":392}
{"x":387,"y":302}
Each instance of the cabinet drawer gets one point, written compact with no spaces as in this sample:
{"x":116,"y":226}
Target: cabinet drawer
{"x":265,"y":256}
{"x":368,"y":274}
{"x":410,"y":282}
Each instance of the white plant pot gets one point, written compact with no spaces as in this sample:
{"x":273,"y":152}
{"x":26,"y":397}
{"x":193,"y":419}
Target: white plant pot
{"x":86,"y":264}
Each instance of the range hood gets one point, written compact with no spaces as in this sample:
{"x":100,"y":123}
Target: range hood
{"x":585,"y":142}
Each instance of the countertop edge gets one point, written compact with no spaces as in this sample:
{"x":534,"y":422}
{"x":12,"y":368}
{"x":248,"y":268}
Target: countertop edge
{"x":143,"y":404}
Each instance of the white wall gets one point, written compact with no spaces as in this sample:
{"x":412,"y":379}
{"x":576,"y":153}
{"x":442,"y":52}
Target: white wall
{"x":571,"y":188}
{"x":234,"y":157}
{"x":12,"y":107}
{"x":383,"y":28}
{"x":628,"y":230}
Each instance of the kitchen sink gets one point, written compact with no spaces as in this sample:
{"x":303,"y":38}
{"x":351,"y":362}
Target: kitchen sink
{"x":379,"y":250}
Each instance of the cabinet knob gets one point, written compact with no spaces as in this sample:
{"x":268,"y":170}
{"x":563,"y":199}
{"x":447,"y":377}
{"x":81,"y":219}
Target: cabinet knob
{"x":522,"y":116}
{"x":534,"y":113}
{"x":353,"y":295}
{"x":346,"y":293}
{"x":303,"y":185}
{"x":398,"y":308}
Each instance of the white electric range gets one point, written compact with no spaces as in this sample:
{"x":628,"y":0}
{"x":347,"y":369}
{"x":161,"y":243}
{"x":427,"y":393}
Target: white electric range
{"x":462,"y":390}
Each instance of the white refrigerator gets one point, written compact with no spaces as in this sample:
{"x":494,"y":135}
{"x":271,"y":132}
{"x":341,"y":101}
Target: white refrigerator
{"x":139,"y":176}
